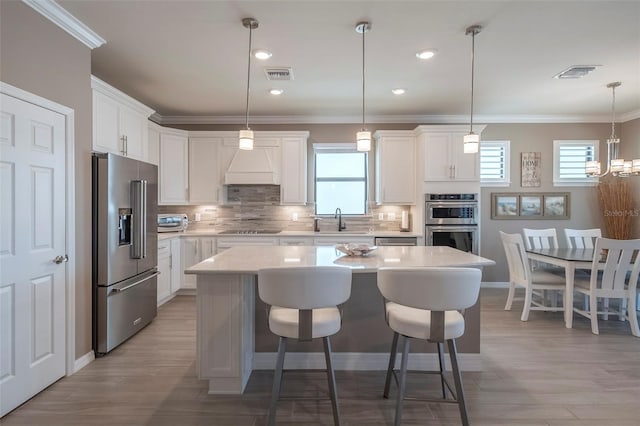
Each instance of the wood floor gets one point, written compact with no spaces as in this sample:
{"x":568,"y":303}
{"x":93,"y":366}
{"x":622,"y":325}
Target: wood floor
{"x":534,"y":373}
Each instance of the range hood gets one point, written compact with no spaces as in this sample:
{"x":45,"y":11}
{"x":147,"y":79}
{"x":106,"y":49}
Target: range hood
{"x":255,"y":167}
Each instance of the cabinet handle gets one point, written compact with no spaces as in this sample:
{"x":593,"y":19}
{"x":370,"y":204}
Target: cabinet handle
{"x":123,"y":150}
{"x":126,"y":145}
{"x":454,"y":171}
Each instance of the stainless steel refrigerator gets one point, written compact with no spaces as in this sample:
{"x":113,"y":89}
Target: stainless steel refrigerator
{"x":125,"y":247}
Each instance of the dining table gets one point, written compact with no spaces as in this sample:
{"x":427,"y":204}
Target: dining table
{"x":570,"y":259}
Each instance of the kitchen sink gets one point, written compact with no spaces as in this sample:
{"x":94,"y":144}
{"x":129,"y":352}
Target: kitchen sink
{"x":250,"y":232}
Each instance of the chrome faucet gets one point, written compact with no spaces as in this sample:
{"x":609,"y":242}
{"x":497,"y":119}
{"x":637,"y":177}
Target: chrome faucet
{"x":341,"y":224}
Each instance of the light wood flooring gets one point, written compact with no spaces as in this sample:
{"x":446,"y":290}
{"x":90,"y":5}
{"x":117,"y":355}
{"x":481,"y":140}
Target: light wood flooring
{"x":534,"y":373}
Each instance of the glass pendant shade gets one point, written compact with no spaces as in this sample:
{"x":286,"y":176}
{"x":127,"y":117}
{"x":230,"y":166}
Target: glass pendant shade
{"x":363,"y":140}
{"x":617,"y":166}
{"x":471,"y":143}
{"x":246,"y":139}
{"x":592,"y":168}
{"x":635,"y":167}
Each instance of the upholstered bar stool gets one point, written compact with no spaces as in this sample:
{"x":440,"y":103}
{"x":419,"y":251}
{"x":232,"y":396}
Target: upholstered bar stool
{"x":423,"y":303}
{"x":303,"y":304}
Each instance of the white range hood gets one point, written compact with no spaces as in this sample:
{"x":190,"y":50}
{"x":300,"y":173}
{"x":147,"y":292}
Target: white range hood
{"x":255,"y":167}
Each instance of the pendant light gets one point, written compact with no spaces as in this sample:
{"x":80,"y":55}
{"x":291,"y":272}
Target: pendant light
{"x":246,"y":135}
{"x":472,"y":140}
{"x":363,"y":137}
{"x":616,"y":166}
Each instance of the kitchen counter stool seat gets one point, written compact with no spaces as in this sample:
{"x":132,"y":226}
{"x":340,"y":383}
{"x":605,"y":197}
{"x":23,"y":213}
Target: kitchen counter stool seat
{"x":423,"y":303}
{"x":303,"y":304}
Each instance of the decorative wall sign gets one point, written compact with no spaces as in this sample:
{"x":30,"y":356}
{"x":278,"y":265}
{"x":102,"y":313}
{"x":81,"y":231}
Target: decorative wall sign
{"x":531,"y":162}
{"x":530,"y":205}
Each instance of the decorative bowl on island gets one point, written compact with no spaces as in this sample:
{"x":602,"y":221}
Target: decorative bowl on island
{"x":355,"y":249}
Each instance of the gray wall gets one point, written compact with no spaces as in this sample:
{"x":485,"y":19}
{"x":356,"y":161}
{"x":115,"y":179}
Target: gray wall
{"x":39,"y":57}
{"x":630,"y":149}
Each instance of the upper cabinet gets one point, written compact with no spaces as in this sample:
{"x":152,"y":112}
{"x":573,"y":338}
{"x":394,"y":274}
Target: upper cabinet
{"x":204,"y":170}
{"x":293,"y":184}
{"x":444,"y":159}
{"x":173,"y":180}
{"x":119,"y":122}
{"x":395,"y":167}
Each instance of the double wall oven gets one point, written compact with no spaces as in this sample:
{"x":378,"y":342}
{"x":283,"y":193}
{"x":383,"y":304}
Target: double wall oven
{"x":452,"y":220}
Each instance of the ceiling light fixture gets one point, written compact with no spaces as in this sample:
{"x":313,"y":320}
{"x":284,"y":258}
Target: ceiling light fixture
{"x":245,"y":140}
{"x":398,"y":91}
{"x":276,"y":91}
{"x":262,"y":54}
{"x":616,"y":166}
{"x":363,"y":137}
{"x":426,"y":54}
{"x":472,"y":140}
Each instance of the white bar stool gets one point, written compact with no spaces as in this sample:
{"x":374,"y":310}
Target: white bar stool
{"x":423,"y":303}
{"x":303,"y":304}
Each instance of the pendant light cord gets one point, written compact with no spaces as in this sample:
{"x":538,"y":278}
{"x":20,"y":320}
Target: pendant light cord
{"x":613,"y":114}
{"x":363,"y":50}
{"x":473,"y":55}
{"x":246,"y":115}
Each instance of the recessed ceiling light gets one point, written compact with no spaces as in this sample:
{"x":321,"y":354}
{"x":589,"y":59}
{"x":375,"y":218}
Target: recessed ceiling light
{"x":426,"y":54}
{"x":398,"y":91}
{"x":262,"y":54}
{"x":276,"y":91}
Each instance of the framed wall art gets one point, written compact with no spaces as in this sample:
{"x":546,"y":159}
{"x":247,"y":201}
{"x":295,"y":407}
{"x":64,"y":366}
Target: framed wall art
{"x":530,"y":205}
{"x":531,"y":169}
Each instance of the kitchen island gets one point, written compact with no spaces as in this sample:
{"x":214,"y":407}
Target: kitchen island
{"x":226,"y":298}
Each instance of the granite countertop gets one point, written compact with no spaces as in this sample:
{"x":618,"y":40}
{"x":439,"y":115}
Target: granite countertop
{"x":284,"y":234}
{"x":249,"y":259}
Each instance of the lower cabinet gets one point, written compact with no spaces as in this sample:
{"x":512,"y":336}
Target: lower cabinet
{"x":169,"y":280}
{"x":227,"y":243}
{"x":332,"y":241}
{"x":296,"y":241}
{"x":189,"y":255}
{"x":176,"y":265}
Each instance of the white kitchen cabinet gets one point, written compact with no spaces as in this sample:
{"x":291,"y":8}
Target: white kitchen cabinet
{"x":395,"y":167}
{"x":153,"y":146}
{"x":164,"y":268}
{"x":176,"y":265}
{"x":333,"y":240}
{"x":227,"y":243}
{"x":204,"y":174}
{"x":189,"y":256}
{"x":173,"y":182}
{"x":444,"y":158}
{"x":293,"y":183}
{"x":208,"y":247}
{"x":296,"y":241}
{"x":119,"y":122}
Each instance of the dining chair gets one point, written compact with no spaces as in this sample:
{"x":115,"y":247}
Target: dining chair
{"x":540,"y":238}
{"x":582,"y":238}
{"x":533,"y":281}
{"x":619,"y":264}
{"x":424,"y":303}
{"x":303,"y":304}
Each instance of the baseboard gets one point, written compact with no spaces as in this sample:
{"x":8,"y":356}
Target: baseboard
{"x":83,"y":361}
{"x":361,"y":361}
{"x":494,"y":284}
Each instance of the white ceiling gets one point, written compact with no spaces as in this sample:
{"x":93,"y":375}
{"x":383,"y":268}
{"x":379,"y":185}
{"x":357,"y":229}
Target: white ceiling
{"x":189,"y":58}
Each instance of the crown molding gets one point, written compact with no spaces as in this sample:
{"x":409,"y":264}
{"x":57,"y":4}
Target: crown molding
{"x":112,"y":92}
{"x":72,"y":25}
{"x":396,"y":119}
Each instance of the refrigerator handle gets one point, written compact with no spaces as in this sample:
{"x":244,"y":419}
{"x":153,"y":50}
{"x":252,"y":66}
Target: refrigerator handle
{"x":139,"y":203}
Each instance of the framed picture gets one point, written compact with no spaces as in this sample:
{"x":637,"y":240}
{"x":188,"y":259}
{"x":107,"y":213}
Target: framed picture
{"x":556,"y":206}
{"x":531,"y":169}
{"x":531,"y":206}
{"x":504,"y":206}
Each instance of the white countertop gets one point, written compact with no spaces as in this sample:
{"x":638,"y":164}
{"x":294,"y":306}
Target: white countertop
{"x":249,"y":259}
{"x":284,"y":234}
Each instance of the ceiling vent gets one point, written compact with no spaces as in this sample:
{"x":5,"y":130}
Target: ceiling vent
{"x":576,"y":71}
{"x":279,"y":73}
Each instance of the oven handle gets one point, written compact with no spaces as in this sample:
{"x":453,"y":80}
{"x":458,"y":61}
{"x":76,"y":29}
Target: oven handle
{"x":444,"y":204}
{"x":471,"y":228}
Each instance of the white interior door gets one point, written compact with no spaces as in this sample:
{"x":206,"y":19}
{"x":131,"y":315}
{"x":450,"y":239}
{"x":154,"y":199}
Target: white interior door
{"x":32,"y":234}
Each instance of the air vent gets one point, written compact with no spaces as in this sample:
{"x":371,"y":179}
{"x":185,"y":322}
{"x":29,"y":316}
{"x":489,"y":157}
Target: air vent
{"x":576,"y":71}
{"x":279,"y":73}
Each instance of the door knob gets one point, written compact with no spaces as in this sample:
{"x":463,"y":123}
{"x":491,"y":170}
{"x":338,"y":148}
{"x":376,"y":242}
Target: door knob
{"x":61,"y":259}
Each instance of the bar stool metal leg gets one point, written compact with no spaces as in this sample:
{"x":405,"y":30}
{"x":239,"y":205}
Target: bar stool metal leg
{"x":392,"y":364}
{"x":403,"y":379}
{"x":442,"y":369}
{"x":277,"y":381}
{"x":453,"y":353}
{"x":331,"y":378}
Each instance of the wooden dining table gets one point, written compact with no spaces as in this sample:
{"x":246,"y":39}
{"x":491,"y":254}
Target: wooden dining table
{"x":570,"y":259}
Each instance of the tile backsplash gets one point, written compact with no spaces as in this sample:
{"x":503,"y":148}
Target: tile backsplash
{"x":252,"y":207}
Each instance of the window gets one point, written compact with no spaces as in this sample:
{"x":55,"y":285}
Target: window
{"x":341,"y":180}
{"x":494,"y":163}
{"x":569,"y":158}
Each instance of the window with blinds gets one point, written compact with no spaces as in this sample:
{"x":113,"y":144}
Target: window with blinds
{"x":494,"y":163}
{"x":569,"y":158}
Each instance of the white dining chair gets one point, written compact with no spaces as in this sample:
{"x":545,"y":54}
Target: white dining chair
{"x":423,"y":303}
{"x":303,"y":304}
{"x":582,"y":238}
{"x":618,"y":279}
{"x":520,"y":274}
{"x":540,"y":238}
